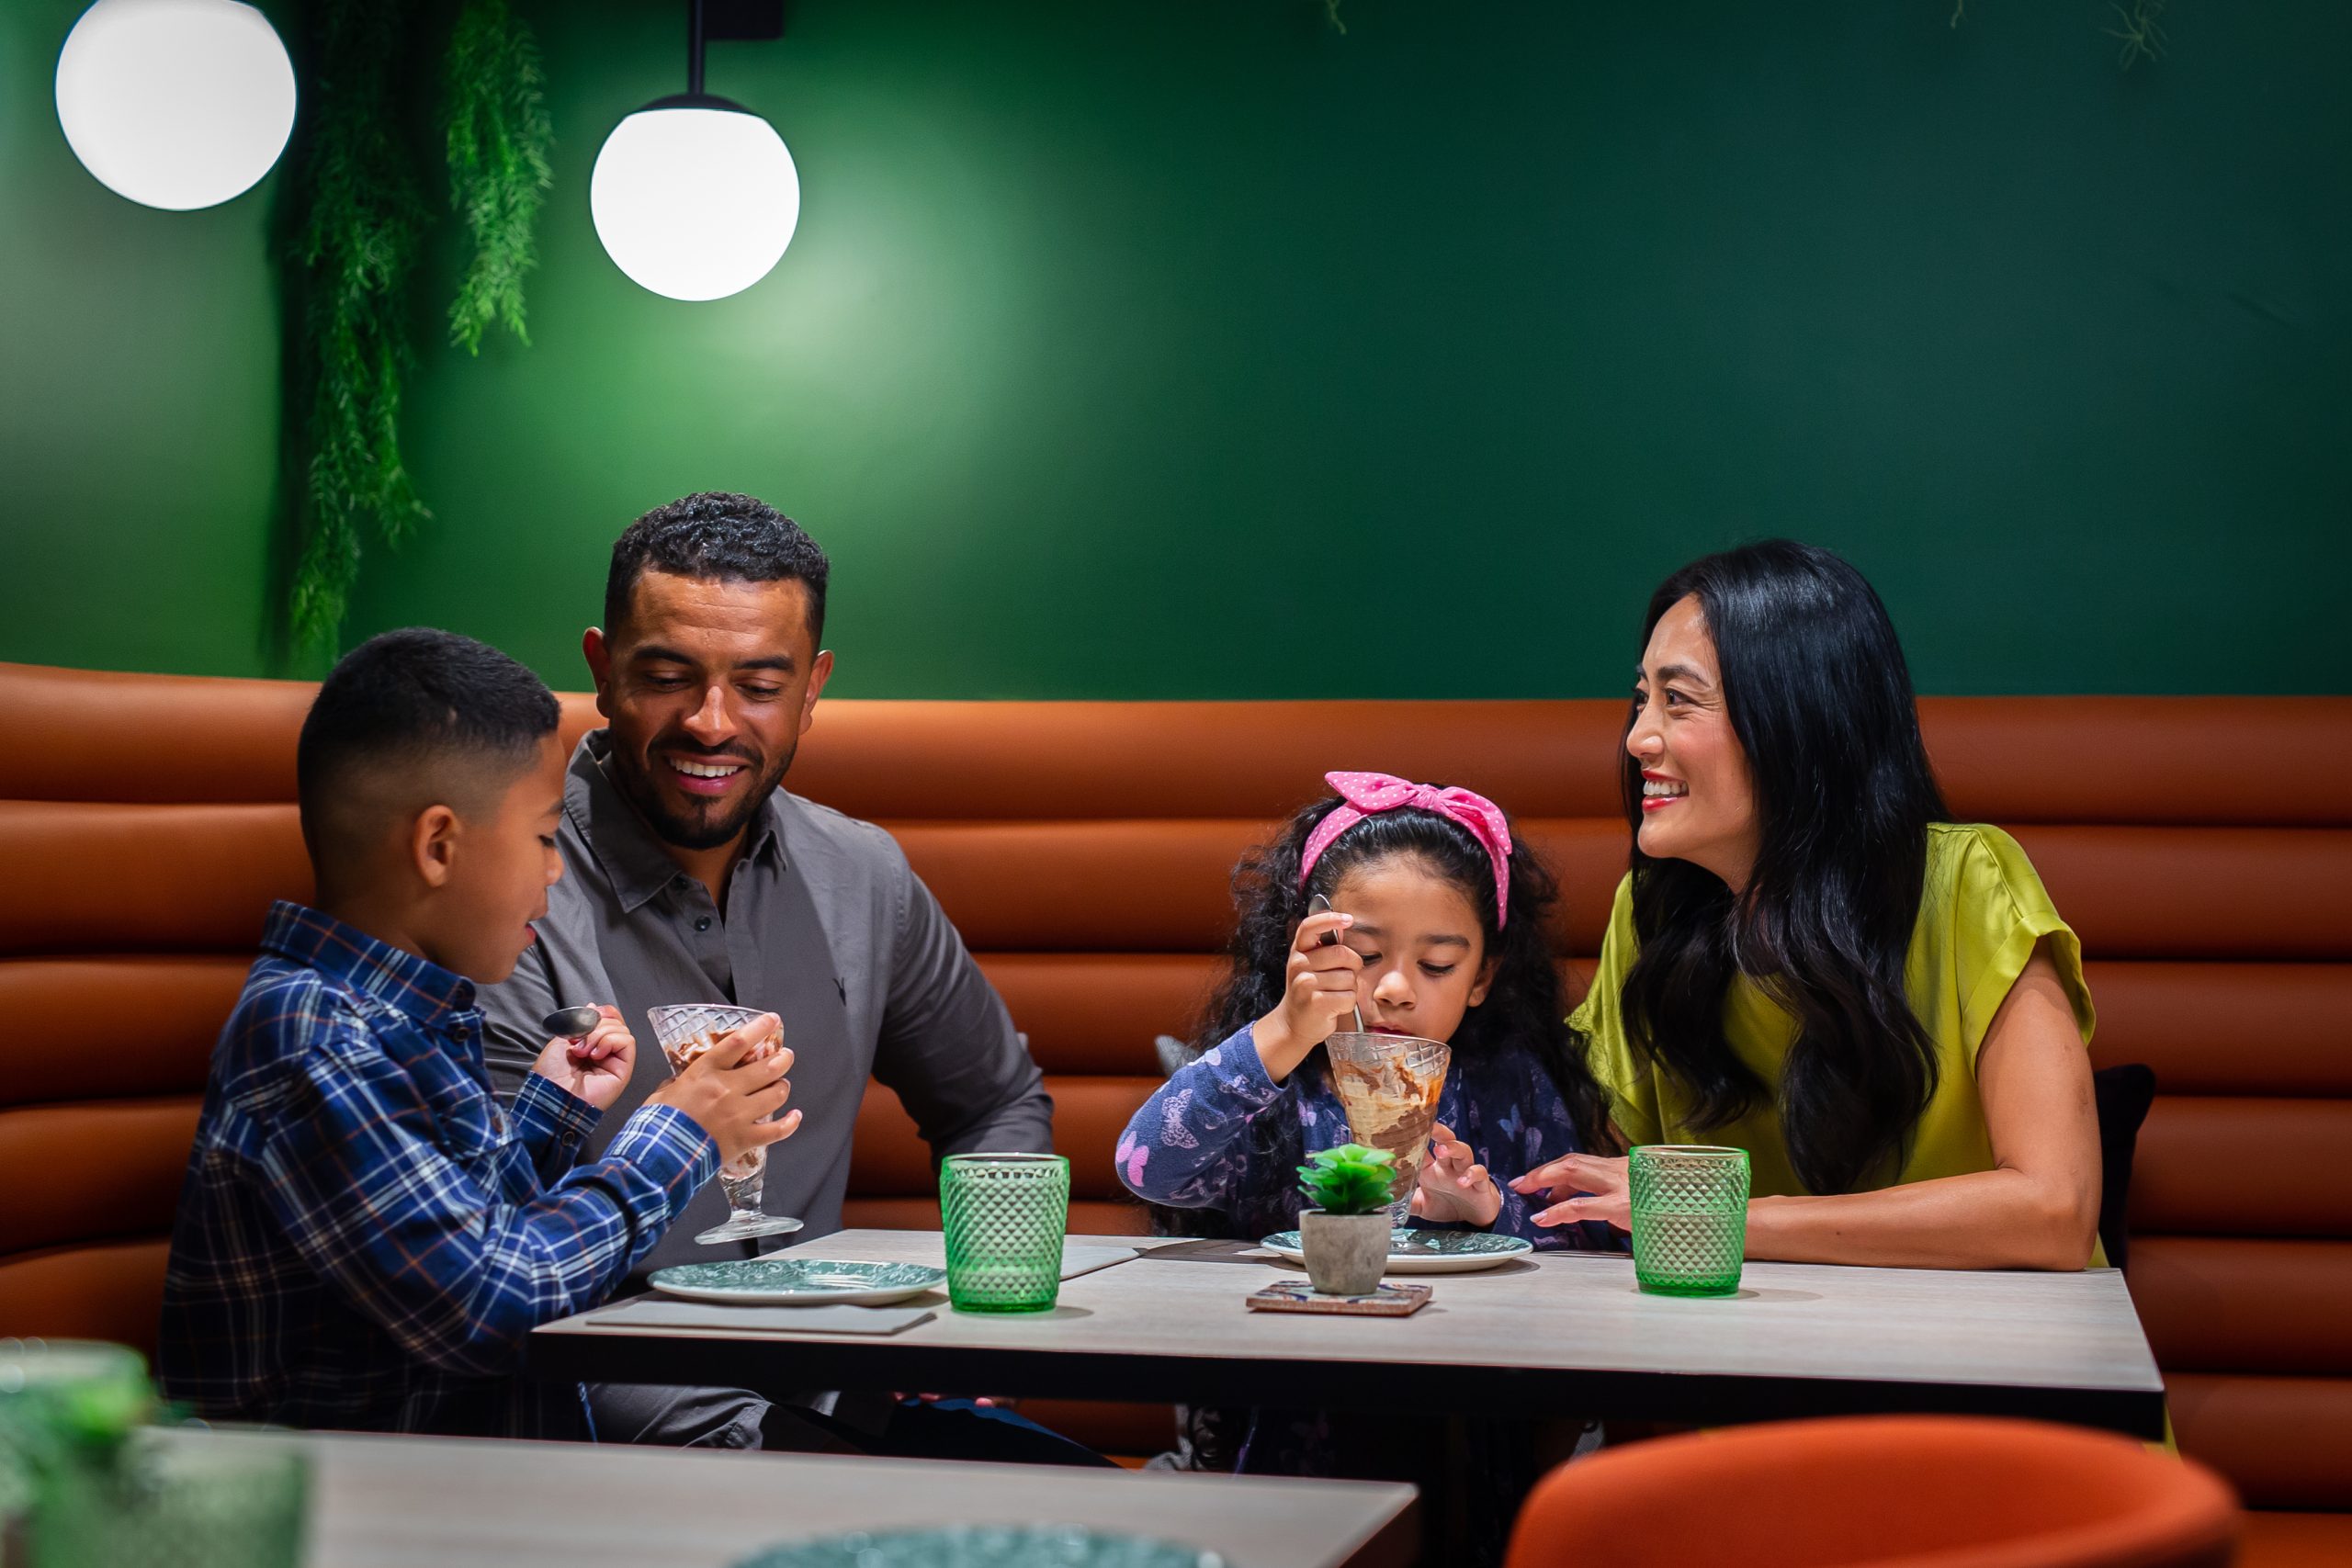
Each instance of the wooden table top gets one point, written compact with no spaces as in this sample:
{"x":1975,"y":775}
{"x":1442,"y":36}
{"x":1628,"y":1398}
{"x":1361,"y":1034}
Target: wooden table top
{"x":1561,"y":1333}
{"x":396,"y":1501}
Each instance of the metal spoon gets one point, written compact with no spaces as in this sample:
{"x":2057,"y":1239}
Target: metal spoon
{"x":570,"y":1023}
{"x":1318,"y":905}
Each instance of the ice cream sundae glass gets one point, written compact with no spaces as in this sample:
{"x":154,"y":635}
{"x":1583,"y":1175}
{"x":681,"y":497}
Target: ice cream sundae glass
{"x":1389,"y":1085}
{"x":685,"y":1032}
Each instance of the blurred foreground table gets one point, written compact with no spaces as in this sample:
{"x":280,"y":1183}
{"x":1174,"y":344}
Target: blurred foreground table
{"x":1559,"y":1334}
{"x":460,"y":1502}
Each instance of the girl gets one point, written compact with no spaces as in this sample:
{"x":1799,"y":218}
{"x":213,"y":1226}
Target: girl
{"x":1441,"y":916}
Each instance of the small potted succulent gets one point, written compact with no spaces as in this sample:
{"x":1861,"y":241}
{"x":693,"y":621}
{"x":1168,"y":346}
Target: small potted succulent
{"x":1344,"y":1231}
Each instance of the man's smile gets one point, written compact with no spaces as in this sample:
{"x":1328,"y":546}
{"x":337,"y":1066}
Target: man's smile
{"x":704,"y":775}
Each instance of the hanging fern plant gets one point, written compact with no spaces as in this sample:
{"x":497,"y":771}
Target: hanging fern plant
{"x":499,"y":139}
{"x":360,"y":224}
{"x":356,"y":243}
{"x":2140,"y":28}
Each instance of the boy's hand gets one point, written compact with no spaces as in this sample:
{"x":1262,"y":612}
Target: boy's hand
{"x":731,"y":1088}
{"x":1320,"y":991}
{"x":595,"y":1067}
{"x":1452,"y":1187}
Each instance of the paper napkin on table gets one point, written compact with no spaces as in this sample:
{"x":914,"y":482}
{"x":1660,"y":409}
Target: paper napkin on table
{"x":661,"y":1312}
{"x":1077,"y":1260}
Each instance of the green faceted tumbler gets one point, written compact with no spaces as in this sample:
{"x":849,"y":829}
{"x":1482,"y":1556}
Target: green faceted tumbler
{"x":1690,"y":1218}
{"x":58,"y":1394}
{"x":1005,"y":1216}
{"x":216,"y":1501}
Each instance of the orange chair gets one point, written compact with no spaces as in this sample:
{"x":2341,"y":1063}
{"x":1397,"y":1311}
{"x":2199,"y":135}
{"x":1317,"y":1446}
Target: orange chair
{"x":1890,"y":1492}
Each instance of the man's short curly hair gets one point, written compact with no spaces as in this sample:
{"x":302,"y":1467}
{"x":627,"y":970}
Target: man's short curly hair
{"x":718,"y":535}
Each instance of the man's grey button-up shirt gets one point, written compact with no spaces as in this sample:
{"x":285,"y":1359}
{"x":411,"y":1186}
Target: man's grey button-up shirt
{"x":828,"y":928}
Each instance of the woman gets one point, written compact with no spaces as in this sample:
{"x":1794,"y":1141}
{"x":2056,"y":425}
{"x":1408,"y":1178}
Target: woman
{"x":1811,"y":962}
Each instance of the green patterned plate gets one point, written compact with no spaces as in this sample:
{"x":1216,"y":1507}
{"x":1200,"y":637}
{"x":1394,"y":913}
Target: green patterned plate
{"x":798,"y":1281}
{"x":1425,"y":1252}
{"x":986,"y":1546}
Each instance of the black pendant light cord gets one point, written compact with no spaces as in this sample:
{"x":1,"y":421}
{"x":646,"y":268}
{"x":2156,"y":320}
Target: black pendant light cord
{"x":728,"y":21}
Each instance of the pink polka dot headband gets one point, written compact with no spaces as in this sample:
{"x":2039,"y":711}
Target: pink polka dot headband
{"x":1367,"y":795}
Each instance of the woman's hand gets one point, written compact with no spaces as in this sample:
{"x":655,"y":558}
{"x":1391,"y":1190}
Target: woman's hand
{"x":1581,"y":1186}
{"x":596,"y":1067}
{"x":1319,"y":990}
{"x":1452,"y":1187}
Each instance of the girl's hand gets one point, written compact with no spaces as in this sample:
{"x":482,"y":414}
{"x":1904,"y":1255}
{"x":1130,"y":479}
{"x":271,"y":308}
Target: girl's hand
{"x":1581,"y":1186}
{"x":596,"y":1068}
{"x":1452,"y":1187}
{"x":1319,"y":990}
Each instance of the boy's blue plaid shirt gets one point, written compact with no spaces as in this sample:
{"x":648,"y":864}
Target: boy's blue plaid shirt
{"x":363,"y":1240}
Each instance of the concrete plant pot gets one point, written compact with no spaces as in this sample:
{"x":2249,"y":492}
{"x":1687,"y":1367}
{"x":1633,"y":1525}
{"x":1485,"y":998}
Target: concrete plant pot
{"x":1346,"y":1254}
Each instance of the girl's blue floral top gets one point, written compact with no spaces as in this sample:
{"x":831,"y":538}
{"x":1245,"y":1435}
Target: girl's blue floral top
{"x":1191,"y":1146}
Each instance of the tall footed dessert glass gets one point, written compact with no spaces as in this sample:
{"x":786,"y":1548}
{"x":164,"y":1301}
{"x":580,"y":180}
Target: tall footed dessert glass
{"x":1389,"y":1085}
{"x":685,"y":1032}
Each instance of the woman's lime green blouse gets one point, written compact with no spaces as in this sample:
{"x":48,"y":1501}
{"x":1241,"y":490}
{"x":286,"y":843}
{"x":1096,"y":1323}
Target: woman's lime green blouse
{"x":1981,"y":911}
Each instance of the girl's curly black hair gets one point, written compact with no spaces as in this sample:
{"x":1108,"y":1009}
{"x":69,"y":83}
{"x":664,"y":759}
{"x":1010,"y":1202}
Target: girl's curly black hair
{"x":1526,"y":1004}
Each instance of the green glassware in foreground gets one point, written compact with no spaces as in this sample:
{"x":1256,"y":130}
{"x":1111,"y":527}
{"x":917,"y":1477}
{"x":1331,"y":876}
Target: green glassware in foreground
{"x":1690,"y":1218}
{"x":187,"y":1501}
{"x":1005,"y":1216}
{"x":63,"y":1404}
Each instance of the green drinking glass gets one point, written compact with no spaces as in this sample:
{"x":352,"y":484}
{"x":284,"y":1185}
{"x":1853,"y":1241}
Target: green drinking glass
{"x":62,"y":1402}
{"x":1005,"y":1216}
{"x":177,"y":1500}
{"x":1690,"y":1218}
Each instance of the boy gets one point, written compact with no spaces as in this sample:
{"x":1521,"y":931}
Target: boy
{"x":363,"y":1240}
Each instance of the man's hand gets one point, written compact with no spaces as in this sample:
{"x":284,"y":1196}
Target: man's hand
{"x":596,"y":1067}
{"x":1581,"y":1186}
{"x":1452,"y":1187}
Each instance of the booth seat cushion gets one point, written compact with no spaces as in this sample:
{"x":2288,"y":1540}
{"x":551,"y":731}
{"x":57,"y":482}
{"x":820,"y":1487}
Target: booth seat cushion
{"x":2275,"y":1540}
{"x":147,"y":822}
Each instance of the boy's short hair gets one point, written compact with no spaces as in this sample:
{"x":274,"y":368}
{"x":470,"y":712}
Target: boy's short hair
{"x":409,"y":719}
{"x":719,"y":534}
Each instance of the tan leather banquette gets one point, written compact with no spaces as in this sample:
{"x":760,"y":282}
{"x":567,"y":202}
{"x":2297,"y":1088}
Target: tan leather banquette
{"x":2202,"y":847}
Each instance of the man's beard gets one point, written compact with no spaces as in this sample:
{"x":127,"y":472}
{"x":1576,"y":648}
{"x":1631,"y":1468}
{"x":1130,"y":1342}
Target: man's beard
{"x":699,"y":830}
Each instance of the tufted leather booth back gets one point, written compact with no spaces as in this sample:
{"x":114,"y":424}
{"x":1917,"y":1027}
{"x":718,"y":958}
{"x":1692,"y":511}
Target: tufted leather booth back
{"x":2203,"y":849}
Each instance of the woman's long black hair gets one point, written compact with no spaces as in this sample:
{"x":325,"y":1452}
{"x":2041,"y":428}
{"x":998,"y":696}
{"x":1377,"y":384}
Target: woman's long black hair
{"x":1817,"y":689}
{"x":1524,"y":1004}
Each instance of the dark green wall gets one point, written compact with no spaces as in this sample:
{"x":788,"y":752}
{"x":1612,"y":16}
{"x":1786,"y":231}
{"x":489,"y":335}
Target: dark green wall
{"x":138,"y":401}
{"x":1183,"y":347}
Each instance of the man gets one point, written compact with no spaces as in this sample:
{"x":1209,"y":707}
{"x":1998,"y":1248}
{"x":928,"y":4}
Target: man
{"x":695,"y":877}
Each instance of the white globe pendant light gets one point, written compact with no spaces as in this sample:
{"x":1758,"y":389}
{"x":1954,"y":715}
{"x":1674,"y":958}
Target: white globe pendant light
{"x":695,"y":196}
{"x":176,"y":104}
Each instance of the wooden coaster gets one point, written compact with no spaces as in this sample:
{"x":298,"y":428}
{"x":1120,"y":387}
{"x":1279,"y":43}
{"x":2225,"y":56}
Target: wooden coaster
{"x":1299,"y":1295}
